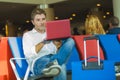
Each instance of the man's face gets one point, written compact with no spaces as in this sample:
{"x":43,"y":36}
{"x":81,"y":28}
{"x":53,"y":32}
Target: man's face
{"x":39,"y":21}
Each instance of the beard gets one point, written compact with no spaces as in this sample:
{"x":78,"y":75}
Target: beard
{"x":41,"y":28}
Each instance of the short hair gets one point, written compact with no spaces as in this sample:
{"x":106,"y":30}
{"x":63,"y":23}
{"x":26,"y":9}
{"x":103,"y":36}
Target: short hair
{"x":114,"y":21}
{"x":37,"y":11}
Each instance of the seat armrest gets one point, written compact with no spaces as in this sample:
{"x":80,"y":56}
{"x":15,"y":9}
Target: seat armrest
{"x":15,"y":69}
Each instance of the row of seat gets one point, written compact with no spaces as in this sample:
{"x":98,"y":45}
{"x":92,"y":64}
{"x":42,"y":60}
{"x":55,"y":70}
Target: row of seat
{"x":109,"y":53}
{"x":22,"y":66}
{"x":12,"y":47}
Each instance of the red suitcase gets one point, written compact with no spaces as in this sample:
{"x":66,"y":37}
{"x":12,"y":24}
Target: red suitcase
{"x":93,"y":70}
{"x":91,"y":47}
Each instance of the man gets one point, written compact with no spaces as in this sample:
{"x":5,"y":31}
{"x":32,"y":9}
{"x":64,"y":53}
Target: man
{"x":114,"y":29}
{"x":45,"y":57}
{"x":114,"y":26}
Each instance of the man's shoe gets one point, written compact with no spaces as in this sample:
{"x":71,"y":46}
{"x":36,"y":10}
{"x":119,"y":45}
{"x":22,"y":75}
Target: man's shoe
{"x":52,"y":69}
{"x":117,"y":74}
{"x":117,"y":69}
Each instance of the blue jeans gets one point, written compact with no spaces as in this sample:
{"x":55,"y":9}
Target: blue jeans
{"x":62,"y":75}
{"x":62,"y":56}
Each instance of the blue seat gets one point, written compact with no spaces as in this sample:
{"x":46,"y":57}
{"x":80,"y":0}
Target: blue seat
{"x":111,"y":47}
{"x":74,"y":57}
{"x":18,"y":62}
{"x":106,"y":73}
{"x":107,"y":70}
{"x":20,"y":65}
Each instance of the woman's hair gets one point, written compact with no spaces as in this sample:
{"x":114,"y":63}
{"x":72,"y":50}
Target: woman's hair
{"x":37,"y":11}
{"x":93,"y":25}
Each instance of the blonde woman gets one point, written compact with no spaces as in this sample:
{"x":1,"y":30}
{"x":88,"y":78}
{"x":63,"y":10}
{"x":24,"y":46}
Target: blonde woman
{"x":93,"y":25}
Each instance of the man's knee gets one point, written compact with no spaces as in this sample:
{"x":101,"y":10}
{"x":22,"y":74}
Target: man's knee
{"x":70,"y":42}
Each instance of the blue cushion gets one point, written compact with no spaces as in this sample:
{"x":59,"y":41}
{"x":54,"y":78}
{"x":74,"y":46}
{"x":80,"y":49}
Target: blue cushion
{"x":107,"y":73}
{"x":111,"y":47}
{"x":17,"y":51}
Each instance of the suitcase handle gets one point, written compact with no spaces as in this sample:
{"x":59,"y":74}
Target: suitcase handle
{"x":93,"y":57}
{"x":92,"y":65}
{"x":85,"y":55}
{"x":90,"y":38}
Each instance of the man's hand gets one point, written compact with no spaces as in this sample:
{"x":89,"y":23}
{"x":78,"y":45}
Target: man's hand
{"x":39,"y":46}
{"x":57,"y":43}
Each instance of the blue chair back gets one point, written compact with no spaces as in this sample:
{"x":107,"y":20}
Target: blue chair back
{"x":17,"y":52}
{"x":111,"y":47}
{"x":74,"y":57}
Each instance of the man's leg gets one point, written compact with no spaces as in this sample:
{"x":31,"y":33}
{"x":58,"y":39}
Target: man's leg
{"x":62,"y":75}
{"x":43,"y":66}
{"x":39,"y":64}
{"x":62,"y":56}
{"x":64,"y":52}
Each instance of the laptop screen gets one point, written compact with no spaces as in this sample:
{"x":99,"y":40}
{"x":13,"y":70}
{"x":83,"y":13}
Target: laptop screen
{"x":58,"y":29}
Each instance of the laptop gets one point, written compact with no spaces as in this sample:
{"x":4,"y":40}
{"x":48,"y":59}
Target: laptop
{"x":58,"y":29}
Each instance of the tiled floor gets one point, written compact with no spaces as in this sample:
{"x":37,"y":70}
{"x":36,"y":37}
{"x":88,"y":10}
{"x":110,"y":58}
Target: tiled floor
{"x":70,"y":77}
{"x":118,"y":78}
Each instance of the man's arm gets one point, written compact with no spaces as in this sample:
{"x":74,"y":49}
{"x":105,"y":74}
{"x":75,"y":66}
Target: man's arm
{"x":57,"y":43}
{"x":28,"y":47}
{"x":39,"y":46}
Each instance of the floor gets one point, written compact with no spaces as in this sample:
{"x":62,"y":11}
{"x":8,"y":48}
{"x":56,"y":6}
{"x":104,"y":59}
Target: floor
{"x":118,"y":78}
{"x":69,"y":77}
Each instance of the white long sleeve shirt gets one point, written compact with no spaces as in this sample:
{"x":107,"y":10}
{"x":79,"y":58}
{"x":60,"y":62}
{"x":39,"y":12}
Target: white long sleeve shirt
{"x":31,"y":39}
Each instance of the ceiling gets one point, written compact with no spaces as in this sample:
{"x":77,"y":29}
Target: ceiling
{"x":74,"y":6}
{"x":18,"y":13}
